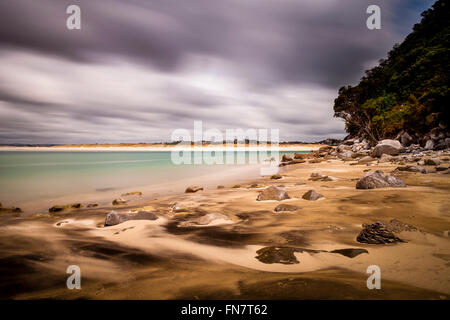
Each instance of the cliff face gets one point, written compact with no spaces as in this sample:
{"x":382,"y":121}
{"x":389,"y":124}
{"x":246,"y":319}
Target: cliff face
{"x":409,"y":90}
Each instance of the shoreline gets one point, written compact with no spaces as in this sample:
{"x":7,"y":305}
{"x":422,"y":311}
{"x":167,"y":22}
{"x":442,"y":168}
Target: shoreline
{"x":225,"y":254}
{"x":281,"y":148}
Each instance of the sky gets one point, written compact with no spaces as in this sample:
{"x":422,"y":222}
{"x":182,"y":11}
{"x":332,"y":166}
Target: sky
{"x":139,"y":69}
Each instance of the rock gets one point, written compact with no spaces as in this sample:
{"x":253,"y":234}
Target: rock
{"x":213,"y":218}
{"x":59,"y":208}
{"x":385,"y":158}
{"x":432,"y":162}
{"x":256,"y":185}
{"x":349,"y":142}
{"x":10,"y":210}
{"x":366,"y":159}
{"x":220,"y":187}
{"x":114,"y":218}
{"x":436,"y":134}
{"x":377,"y":179}
{"x":176,"y":207}
{"x":283,"y":255}
{"x":285,"y":207}
{"x":377,"y":233}
{"x":300,"y":155}
{"x":412,"y":169}
{"x":325,"y":149}
{"x":133,"y":193}
{"x":406,"y":139}
{"x":429,"y":145}
{"x":312,"y":195}
{"x":388,"y":146}
{"x":119,"y":201}
{"x":286,"y":158}
{"x":441,"y":168}
{"x":276,"y":176}
{"x":236,"y":186}
{"x":192,"y":189}
{"x":92,"y":205}
{"x":272,"y":193}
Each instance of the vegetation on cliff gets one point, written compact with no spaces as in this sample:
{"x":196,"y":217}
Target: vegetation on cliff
{"x":409,"y":90}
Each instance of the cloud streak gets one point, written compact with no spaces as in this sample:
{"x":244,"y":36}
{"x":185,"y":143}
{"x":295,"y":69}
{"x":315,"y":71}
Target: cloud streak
{"x":139,"y":69}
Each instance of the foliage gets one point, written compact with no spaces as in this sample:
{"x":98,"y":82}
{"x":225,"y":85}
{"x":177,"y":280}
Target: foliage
{"x":407,"y":91}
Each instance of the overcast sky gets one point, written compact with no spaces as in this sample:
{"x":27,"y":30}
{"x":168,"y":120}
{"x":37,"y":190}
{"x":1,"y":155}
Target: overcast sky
{"x":139,"y":69}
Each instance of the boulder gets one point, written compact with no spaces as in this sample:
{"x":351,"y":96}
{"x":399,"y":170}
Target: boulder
{"x":377,"y":179}
{"x":388,"y":146}
{"x":119,"y":201}
{"x":406,"y":139}
{"x":312,"y":195}
{"x":114,"y":218}
{"x":192,"y":189}
{"x":283,"y":207}
{"x":272,"y":193}
{"x":377,"y":233}
{"x":429,"y":145}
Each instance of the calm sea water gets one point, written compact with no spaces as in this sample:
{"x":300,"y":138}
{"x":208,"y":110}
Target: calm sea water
{"x":28,"y":177}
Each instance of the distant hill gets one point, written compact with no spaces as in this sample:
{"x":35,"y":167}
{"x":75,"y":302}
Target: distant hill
{"x":408,"y":91}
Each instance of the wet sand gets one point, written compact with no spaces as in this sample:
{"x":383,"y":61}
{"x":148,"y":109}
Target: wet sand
{"x":169,"y":259}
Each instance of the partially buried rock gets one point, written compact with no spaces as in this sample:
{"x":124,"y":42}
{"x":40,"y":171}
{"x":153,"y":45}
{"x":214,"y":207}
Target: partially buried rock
{"x":192,"y":189}
{"x":132,"y":193}
{"x":59,"y":208}
{"x":284,"y":207}
{"x":432,"y":162}
{"x":312,"y":195}
{"x":220,"y":187}
{"x":377,"y":179}
{"x":366,"y":159}
{"x":286,"y":158}
{"x":377,"y":233}
{"x":210,"y":219}
{"x":92,"y":205}
{"x":283,"y":255}
{"x":276,"y":176}
{"x":272,"y":193}
{"x":114,"y":218}
{"x":119,"y":201}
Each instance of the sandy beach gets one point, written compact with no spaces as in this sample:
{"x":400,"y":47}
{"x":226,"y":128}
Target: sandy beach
{"x":177,"y":257}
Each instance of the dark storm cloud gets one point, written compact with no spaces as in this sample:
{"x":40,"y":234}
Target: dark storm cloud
{"x":96,"y":79}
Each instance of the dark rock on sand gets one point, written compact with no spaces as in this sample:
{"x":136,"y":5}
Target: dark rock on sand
{"x":300,"y":155}
{"x":377,"y":179}
{"x":114,"y":218}
{"x":276,"y":176}
{"x":220,"y":187}
{"x":286,"y":158}
{"x":432,"y":162}
{"x":412,"y":169}
{"x":283,"y":255}
{"x":350,"y":253}
{"x":441,"y":168}
{"x":272,"y":193}
{"x":119,"y":201}
{"x":192,"y":189}
{"x":312,"y":195}
{"x":285,"y":207}
{"x":92,"y":205}
{"x":59,"y":208}
{"x":133,"y":193}
{"x":377,"y":233}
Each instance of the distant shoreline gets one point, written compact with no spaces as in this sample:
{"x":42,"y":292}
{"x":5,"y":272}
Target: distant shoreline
{"x":160,"y":148}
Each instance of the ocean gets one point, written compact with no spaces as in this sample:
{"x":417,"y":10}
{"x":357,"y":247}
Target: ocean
{"x":35,"y":180}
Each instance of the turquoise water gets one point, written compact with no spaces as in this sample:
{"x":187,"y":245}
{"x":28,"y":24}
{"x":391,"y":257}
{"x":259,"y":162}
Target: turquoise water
{"x":37,"y":176}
